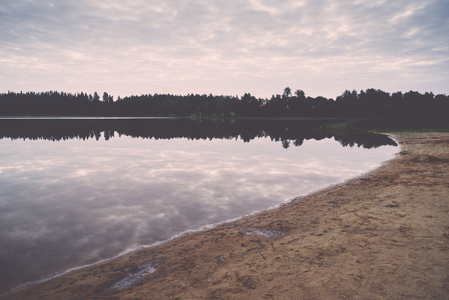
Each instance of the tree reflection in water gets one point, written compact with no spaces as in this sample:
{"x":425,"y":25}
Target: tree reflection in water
{"x":288,"y":132}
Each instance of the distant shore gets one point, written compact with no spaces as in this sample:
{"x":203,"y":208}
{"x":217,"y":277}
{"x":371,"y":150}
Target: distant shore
{"x":380,"y":236}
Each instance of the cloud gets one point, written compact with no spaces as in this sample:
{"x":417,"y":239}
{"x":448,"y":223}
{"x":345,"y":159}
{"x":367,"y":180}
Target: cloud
{"x":235,"y":45}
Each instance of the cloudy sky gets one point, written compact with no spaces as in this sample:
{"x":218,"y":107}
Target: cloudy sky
{"x":129,"y":47}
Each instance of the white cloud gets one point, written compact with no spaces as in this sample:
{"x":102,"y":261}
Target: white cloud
{"x":258,"y":46}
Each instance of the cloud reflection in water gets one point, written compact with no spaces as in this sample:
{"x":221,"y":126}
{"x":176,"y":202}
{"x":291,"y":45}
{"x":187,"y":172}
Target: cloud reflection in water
{"x":74,"y":202}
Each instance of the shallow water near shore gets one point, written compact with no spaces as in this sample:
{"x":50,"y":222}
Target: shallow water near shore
{"x":72,"y":202}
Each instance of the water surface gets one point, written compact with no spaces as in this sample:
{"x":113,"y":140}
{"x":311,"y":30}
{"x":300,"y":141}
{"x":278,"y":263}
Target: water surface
{"x":75,"y":193}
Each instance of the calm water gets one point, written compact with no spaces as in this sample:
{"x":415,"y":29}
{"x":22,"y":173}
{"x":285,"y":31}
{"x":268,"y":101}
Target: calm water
{"x":77,"y":191}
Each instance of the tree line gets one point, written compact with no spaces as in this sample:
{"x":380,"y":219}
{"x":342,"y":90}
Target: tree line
{"x":368,"y":103}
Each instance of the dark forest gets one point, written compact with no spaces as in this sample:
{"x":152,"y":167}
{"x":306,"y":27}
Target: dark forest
{"x":371,"y":103}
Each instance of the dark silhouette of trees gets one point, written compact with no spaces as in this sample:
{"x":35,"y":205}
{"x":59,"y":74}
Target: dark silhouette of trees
{"x":296,"y":104}
{"x":348,"y":104}
{"x":276,"y":106}
{"x":371,"y":103}
{"x":287,"y":92}
{"x":107,"y":98}
{"x":300,"y":94}
{"x":96,"y":98}
{"x":249,"y":105}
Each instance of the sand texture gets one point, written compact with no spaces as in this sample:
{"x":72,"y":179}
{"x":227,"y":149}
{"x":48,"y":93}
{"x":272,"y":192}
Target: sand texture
{"x":381,"y":236}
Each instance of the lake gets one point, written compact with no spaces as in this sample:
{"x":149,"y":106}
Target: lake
{"x":76,"y":191}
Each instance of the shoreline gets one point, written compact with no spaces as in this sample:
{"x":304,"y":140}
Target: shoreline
{"x":308,"y":248}
{"x":195,"y":230}
{"x":189,"y":231}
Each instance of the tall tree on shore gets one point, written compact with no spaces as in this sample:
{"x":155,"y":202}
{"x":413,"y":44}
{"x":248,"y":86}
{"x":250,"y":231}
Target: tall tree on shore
{"x":96,"y":97}
{"x":287,"y":92}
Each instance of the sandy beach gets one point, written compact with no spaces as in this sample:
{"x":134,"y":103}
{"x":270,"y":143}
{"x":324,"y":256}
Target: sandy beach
{"x":381,"y":236}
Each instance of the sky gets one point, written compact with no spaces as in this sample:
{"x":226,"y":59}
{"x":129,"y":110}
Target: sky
{"x":224,"y":47}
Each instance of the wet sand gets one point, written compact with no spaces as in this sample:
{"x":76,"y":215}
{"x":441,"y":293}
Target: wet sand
{"x":381,"y":236}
